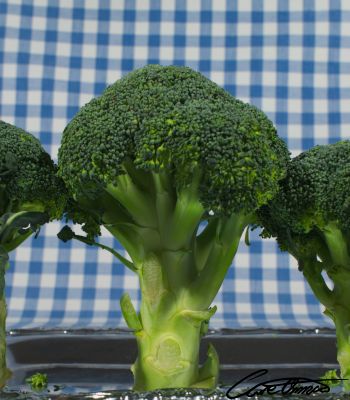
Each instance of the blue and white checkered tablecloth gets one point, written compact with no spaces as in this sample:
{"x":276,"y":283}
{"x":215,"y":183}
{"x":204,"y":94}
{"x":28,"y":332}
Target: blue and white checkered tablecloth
{"x":290,"y":58}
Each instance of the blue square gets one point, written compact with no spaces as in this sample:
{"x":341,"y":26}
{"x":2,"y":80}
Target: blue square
{"x":61,"y":293}
{"x":2,"y":31}
{"x":86,"y":314}
{"x":47,"y":84}
{"x":128,"y":40}
{"x":46,"y":111}
{"x":333,"y":67}
{"x":283,"y":16}
{"x":154,"y":15}
{"x":334,"y":118}
{"x":3,"y":8}
{"x":282,"y":92}
{"x":103,"y":39}
{"x":308,"y":118}
{"x":22,"y":84}
{"x":308,"y":67}
{"x":334,"y":41}
{"x":32,"y":292}
{"x":333,"y":93}
{"x":282,"y":65}
{"x":257,"y":40}
{"x":78,"y":13}
{"x":28,"y":313}
{"x":180,"y":16}
{"x":53,"y":12}
{"x":256,"y":65}
{"x":308,"y":143}
{"x":129,"y":15}
{"x":23,"y":58}
{"x":284,"y":298}
{"x":49,"y":60}
{"x":283,"y":40}
{"x":77,"y":37}
{"x":101,"y":63}
{"x":99,"y":88}
{"x":154,"y":40}
{"x":74,"y":87}
{"x":57,"y":314}
{"x":309,"y":40}
{"x":21,"y":110}
{"x":180,"y":41}
{"x":25,"y":34}
{"x":257,"y":298}
{"x":309,"y":16}
{"x":204,"y":65}
{"x":51,"y":36}
{"x":257,"y":17}
{"x":127,"y":64}
{"x":45,"y":138}
{"x":206,"y":16}
{"x":104,"y":14}
{"x":281,"y":118}
{"x":75,"y":62}
{"x":89,"y":293}
{"x":71,"y":111}
{"x":307,"y":93}
{"x":231,"y":41}
{"x":27,"y":10}
{"x":334,"y":15}
{"x":205,"y":41}
{"x":230,"y":65}
{"x":256,"y":91}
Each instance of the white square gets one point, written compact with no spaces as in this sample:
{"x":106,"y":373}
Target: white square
{"x":218,"y":77}
{"x":193,"y":5}
{"x":54,"y":148}
{"x":13,"y":20}
{"x":103,"y":281}
{"x":73,"y":304}
{"x":218,"y":53}
{"x":116,"y":27}
{"x":78,"y":255}
{"x":295,"y":131}
{"x":344,"y":106}
{"x":141,"y":52}
{"x":33,"y":124}
{"x":50,"y":254}
{"x":297,"y":287}
{"x":269,"y":78}
{"x":295,"y":53}
{"x":193,"y":29}
{"x":141,"y":28}
{"x":269,"y":286}
{"x":271,"y":309}
{"x":321,"y":28}
{"x":243,"y":78}
{"x":344,"y":54}
{"x":243,"y":308}
{"x":35,"y":71}
{"x":321,"y":106}
{"x":142,"y":5}
{"x":11,"y":45}
{"x":8,"y":97}
{"x":89,"y":50}
{"x":60,"y":98}
{"x":20,"y":279}
{"x":44,"y":305}
{"x":64,"y":24}
{"x":242,"y":286}
{"x":63,"y":49}
{"x":192,"y":53}
{"x":62,"y":73}
{"x":299,"y":309}
{"x":131,"y":282}
{"x":295,"y":105}
{"x":37,"y":47}
{"x":101,"y":305}
{"x":321,"y":54}
{"x":75,"y":281}
{"x":23,"y":253}
{"x":218,"y":28}
{"x":296,"y":28}
{"x":115,"y":52}
{"x":244,"y":29}
{"x":295,"y":79}
{"x":34,"y":97}
{"x":270,"y":28}
{"x":39,"y":23}
{"x":166,"y":53}
{"x":167,"y":28}
{"x":268,"y":104}
{"x":88,"y":75}
{"x":220,"y":5}
{"x":244,"y":53}
{"x":48,"y":281}
{"x":321,"y":80}
{"x":270,"y":53}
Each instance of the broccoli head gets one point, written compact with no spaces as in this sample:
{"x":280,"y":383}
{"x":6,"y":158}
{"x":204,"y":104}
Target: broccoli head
{"x":161,"y":151}
{"x":310,"y":217}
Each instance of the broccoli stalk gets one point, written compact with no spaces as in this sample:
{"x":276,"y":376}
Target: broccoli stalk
{"x":30,"y":195}
{"x":310,"y":219}
{"x":162,"y":151}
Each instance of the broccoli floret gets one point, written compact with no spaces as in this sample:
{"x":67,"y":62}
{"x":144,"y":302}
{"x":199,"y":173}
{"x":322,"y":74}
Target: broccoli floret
{"x":310,"y":217}
{"x":161,"y":151}
{"x":30,"y":195}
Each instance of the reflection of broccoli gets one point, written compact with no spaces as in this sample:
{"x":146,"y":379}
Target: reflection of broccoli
{"x":30,"y":195}
{"x":310,"y":218}
{"x":38,"y":381}
{"x":162,"y":150}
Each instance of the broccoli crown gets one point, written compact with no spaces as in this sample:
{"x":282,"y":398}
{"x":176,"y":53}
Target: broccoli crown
{"x":28,"y":180}
{"x":173,"y":119}
{"x":313,"y":194}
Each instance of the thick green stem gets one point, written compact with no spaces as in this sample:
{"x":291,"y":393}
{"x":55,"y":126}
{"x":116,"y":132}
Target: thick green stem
{"x":337,"y":244}
{"x":5,"y":373}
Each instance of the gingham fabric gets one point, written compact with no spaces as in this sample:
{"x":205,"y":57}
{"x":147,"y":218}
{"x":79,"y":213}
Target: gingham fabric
{"x":289,"y":58}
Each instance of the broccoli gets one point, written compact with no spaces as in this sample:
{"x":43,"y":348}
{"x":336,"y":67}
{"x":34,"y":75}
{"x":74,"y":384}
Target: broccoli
{"x":30,"y":195}
{"x":310,"y":217}
{"x":160,"y":153}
